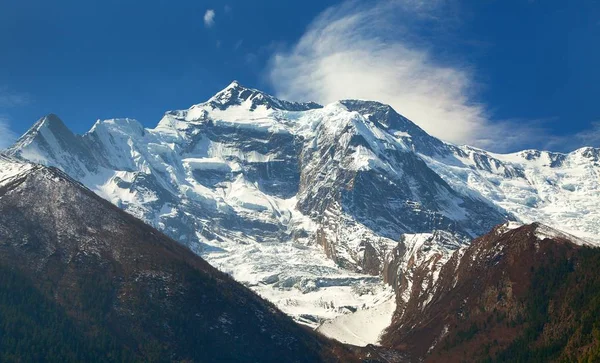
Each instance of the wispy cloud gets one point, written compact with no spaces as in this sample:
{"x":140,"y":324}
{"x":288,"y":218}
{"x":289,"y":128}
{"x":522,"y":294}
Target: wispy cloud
{"x":353,"y":51}
{"x":9,"y":98}
{"x":379,"y":51}
{"x":238,"y":44}
{"x":590,"y":137}
{"x":7,"y":137}
{"x":209,"y":18}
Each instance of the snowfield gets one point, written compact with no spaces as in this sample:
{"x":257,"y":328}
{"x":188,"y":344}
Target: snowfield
{"x":364,"y":326}
{"x":10,"y":169}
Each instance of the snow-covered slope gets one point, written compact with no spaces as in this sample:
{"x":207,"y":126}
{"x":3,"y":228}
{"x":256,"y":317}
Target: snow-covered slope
{"x":363,"y":327}
{"x":561,"y":190}
{"x":306,"y":203}
{"x":11,"y":169}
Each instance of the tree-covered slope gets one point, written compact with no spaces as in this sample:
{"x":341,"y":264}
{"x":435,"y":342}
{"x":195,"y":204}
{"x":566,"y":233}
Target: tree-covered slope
{"x":530,"y":294}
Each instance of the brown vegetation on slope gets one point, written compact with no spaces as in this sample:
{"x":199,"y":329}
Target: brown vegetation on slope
{"x":510,"y":296}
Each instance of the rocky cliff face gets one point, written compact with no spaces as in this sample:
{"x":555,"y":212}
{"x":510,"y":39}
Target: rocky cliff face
{"x":414,"y":266}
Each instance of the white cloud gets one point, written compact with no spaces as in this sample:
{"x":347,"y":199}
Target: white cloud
{"x":587,"y":137}
{"x":543,"y":138}
{"x":238,"y":44}
{"x":9,"y":98}
{"x":590,"y":137}
{"x":7,"y":137}
{"x":209,"y":18}
{"x":370,"y":51}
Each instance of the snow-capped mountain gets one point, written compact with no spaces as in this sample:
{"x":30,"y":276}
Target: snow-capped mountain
{"x":309,"y":204}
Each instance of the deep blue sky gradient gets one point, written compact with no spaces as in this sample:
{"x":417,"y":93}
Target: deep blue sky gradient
{"x":88,"y":60}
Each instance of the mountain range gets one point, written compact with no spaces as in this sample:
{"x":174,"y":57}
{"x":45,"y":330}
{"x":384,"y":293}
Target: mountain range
{"x":326,"y":211}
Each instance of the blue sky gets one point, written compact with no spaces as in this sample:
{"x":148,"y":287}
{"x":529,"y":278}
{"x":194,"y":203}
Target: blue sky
{"x":503,"y":75}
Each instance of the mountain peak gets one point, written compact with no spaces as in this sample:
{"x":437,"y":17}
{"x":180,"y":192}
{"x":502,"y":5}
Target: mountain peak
{"x":384,"y":115}
{"x":51,"y":121}
{"x":50,"y":139}
{"x":543,"y":232}
{"x":49,"y":124}
{"x":235,"y":84}
{"x":588,"y":152}
{"x":52,"y":117}
{"x":236,"y":94}
{"x":540,"y":231}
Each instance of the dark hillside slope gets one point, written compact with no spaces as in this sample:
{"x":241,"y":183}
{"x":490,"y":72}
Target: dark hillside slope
{"x":524,"y":295}
{"x":81,"y":280}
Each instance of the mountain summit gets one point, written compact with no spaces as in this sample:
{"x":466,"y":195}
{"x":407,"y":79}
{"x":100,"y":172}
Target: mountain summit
{"x":236,"y":94}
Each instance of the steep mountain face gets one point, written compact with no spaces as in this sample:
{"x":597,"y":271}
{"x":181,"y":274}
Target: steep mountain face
{"x":526,"y":293}
{"x":364,"y":188}
{"x":84,"y":281}
{"x":306,"y":204}
{"x":414,"y":266}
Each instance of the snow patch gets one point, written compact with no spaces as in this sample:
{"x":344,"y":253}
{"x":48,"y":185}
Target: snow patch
{"x":364,"y":326}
